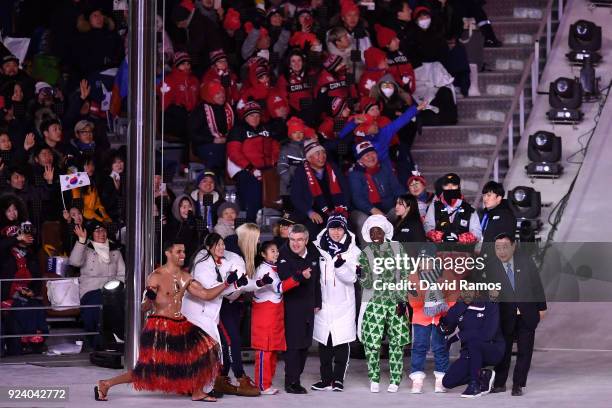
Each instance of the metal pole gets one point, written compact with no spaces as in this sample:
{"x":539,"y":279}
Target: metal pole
{"x":141,"y":158}
{"x":560,"y":11}
{"x":510,"y":141}
{"x":522,"y":113}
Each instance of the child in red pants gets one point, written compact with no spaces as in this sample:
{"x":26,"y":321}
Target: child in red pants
{"x":268,"y":317}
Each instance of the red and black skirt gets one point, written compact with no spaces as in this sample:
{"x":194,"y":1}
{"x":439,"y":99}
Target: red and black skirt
{"x":175,"y":357}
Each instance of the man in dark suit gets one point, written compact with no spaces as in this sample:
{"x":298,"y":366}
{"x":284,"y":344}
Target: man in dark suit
{"x":301,"y":302}
{"x":522,"y":306}
{"x":497,"y":218}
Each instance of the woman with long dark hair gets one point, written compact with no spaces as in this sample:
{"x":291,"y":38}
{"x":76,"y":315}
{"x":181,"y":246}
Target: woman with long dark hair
{"x":210,"y":266}
{"x":408,"y":226}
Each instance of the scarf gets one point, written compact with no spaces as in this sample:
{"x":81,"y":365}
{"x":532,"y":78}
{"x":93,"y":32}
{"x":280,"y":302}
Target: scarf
{"x":22,"y":271}
{"x":373,"y":194}
{"x":85,"y":147}
{"x":103,"y":250}
{"x":434,"y":303}
{"x":332,"y":247}
{"x":211,"y":120}
{"x":315,"y":188}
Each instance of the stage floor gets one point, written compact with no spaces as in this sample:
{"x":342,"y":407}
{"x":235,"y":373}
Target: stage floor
{"x":558,"y":378}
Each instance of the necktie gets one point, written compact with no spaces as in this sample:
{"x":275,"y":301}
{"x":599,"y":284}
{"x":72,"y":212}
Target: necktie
{"x":510,"y":274}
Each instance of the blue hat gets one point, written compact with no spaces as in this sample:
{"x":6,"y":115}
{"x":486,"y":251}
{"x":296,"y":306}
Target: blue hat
{"x":337,"y":221}
{"x":206,"y":173}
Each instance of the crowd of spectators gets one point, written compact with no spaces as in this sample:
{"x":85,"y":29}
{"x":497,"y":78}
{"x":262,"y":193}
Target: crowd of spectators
{"x":312,"y":106}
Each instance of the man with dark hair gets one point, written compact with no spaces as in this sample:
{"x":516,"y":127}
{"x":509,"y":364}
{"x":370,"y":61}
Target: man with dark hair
{"x":175,"y":355}
{"x":522,"y":306}
{"x":497,"y":218}
{"x":299,"y":260}
{"x":52,"y":133}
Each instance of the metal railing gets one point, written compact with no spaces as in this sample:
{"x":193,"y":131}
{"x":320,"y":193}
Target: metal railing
{"x":531,"y":73}
{"x":50,"y":307}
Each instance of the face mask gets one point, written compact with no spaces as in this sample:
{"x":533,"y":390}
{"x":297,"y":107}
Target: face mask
{"x":388,"y":92}
{"x":317,"y":48}
{"x":425,"y":23}
{"x":450,"y":195}
{"x":265,"y":54}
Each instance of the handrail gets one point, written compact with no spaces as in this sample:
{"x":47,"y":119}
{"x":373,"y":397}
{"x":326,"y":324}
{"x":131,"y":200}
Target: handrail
{"x":531,"y":69}
{"x":50,"y":307}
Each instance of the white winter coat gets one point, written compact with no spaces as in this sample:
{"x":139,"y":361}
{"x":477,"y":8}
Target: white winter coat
{"x":205,"y":313}
{"x":337,"y":314}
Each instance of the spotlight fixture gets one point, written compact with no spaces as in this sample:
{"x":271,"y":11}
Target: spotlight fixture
{"x":565,"y":98}
{"x":525,"y":202}
{"x":584,"y":41}
{"x":113,"y":326}
{"x":544,"y":152}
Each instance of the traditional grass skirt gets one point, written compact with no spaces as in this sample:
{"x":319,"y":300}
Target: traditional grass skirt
{"x":175,"y":357}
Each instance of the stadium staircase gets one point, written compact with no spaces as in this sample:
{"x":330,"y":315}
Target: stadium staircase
{"x":470,"y":147}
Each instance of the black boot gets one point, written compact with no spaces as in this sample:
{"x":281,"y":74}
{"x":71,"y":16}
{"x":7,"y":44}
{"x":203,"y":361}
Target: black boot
{"x":491,"y":40}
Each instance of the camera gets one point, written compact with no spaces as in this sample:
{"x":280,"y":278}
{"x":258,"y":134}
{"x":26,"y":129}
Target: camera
{"x":226,"y":81}
{"x":207,"y":200}
{"x":26,"y":228}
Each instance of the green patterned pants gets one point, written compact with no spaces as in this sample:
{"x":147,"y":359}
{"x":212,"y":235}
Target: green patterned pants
{"x":380,"y":314}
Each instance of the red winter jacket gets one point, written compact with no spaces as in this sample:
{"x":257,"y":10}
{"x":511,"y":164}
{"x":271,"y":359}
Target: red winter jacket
{"x":368,"y":79}
{"x":249,"y":148}
{"x":402,"y":71}
{"x":231,"y":93}
{"x":294,"y":87}
{"x":335,"y":86}
{"x":180,"y":88}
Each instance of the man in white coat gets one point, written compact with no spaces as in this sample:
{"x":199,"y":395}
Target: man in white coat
{"x":334,"y":324}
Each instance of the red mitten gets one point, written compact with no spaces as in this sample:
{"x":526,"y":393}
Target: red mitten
{"x":435,"y":236}
{"x":467,"y":238}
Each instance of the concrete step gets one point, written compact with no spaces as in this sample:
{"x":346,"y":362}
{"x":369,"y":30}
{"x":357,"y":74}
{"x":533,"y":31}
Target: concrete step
{"x":487,"y":81}
{"x":454,"y":157}
{"x":492,"y":56}
{"x":505,"y":8}
{"x":486,"y":108}
{"x":463,"y":134}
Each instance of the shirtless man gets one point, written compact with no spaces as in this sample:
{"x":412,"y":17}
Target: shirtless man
{"x":157,"y":368}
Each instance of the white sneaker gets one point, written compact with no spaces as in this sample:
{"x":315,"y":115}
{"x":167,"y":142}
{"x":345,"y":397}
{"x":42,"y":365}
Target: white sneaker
{"x":269,"y":391}
{"x":374,"y":387}
{"x":392,"y":388}
{"x":439,"y":387}
{"x":417,"y":386}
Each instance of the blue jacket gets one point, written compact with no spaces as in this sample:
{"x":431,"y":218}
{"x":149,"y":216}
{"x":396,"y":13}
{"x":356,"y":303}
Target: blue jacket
{"x":381,"y":140}
{"x":478,"y":321}
{"x":387,"y":184}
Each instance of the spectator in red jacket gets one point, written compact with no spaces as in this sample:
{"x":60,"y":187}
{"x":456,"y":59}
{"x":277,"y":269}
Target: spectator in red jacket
{"x":180,"y":93}
{"x":219,"y":70}
{"x":258,"y":86}
{"x":209,"y":126}
{"x":376,"y":67}
{"x":295,"y":86}
{"x":251,"y":149}
{"x":332,"y":80}
{"x":398,"y":63}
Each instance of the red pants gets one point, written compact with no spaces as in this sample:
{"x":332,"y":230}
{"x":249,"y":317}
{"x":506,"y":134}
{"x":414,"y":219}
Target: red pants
{"x":265,"y":368}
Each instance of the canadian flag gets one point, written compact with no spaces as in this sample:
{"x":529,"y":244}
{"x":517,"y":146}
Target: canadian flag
{"x":369,"y":84}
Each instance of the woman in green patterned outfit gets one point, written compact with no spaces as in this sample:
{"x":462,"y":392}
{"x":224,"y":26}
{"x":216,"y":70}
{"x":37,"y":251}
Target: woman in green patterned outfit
{"x":383,"y":308}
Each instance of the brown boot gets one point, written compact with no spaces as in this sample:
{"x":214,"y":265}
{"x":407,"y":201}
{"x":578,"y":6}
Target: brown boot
{"x":224,"y":385}
{"x":246,"y":387}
